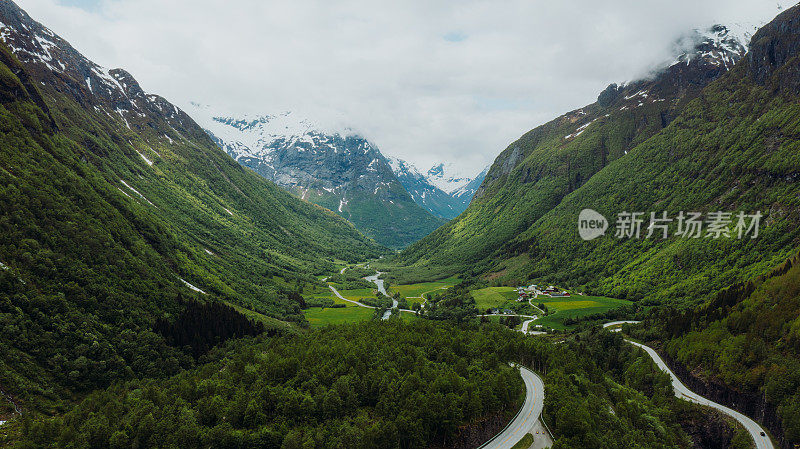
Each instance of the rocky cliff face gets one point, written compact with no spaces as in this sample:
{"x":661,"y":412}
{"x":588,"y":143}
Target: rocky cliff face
{"x":775,"y":48}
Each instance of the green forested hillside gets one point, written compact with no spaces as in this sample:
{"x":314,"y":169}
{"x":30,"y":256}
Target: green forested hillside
{"x":393,"y":219}
{"x":383,"y":385}
{"x":375,"y":385}
{"x":747,"y":339}
{"x":731,"y":148}
{"x":107,"y":217}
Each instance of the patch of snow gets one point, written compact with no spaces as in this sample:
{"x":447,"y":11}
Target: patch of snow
{"x":124,"y":193}
{"x":192,"y":287}
{"x":136,"y":192}
{"x":641,"y":93}
{"x":447,"y":177}
{"x":148,"y":161}
{"x":121,"y":113}
{"x":579,"y":131}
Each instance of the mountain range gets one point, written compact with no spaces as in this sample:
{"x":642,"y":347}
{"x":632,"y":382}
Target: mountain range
{"x":386,"y":198}
{"x":444,"y":196}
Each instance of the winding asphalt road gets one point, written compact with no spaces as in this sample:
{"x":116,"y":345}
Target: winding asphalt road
{"x":339,"y":295}
{"x":527,"y":417}
{"x":617,"y":323}
{"x":681,"y":391}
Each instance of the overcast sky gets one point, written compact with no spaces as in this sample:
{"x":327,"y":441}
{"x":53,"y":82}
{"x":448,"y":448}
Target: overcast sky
{"x":426,"y":80}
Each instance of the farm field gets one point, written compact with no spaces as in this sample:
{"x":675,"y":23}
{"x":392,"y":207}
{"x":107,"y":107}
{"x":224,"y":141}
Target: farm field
{"x":358,"y":294}
{"x":491,"y":297}
{"x":319,"y":317}
{"x":416,"y":291}
{"x":574,"y":307}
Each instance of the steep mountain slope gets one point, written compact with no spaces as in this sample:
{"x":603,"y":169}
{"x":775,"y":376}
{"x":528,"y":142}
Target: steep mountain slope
{"x":465,"y":193}
{"x":743,"y":347}
{"x":113,"y":205}
{"x":423,"y":189}
{"x":649,"y":146}
{"x":342,"y":172}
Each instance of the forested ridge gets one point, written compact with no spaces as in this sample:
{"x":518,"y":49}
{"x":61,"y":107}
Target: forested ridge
{"x":380,"y":385}
{"x":106,"y":219}
{"x":371,"y":385}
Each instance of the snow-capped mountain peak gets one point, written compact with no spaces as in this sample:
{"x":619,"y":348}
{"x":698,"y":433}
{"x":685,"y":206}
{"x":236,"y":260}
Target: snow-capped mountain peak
{"x":447,"y":177}
{"x":424,"y":190}
{"x":334,"y":168}
{"x":718,"y":45}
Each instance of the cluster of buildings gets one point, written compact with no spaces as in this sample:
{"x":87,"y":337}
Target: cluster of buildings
{"x":533,"y":290}
{"x":500,"y":312}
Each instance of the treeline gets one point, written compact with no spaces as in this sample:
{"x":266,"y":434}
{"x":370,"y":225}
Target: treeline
{"x":203,"y":325}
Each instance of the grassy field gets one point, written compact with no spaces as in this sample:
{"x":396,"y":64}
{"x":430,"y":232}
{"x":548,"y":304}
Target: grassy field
{"x":416,"y":291}
{"x":412,"y":301}
{"x":409,"y":317}
{"x":491,"y":297}
{"x":356,"y":295}
{"x":350,"y":314}
{"x":574,"y":307}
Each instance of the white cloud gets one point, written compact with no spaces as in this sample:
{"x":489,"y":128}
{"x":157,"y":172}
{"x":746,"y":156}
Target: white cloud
{"x":426,"y":81}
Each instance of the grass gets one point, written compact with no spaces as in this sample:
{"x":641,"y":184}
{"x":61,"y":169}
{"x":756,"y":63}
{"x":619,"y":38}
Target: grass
{"x":418,"y":290}
{"x":412,"y":301}
{"x":524,"y":443}
{"x":409,"y":317}
{"x":415,"y":291}
{"x":319,"y":317}
{"x":577,"y":306}
{"x":357,"y":294}
{"x":491,"y":297}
